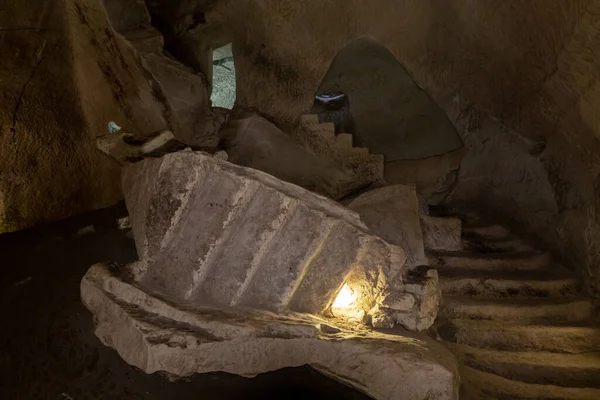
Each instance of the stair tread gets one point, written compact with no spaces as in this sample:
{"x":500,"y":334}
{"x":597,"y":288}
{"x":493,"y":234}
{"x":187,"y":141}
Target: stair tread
{"x":495,"y":386}
{"x":550,"y":325}
{"x":501,"y":239}
{"x":589,"y":360}
{"x":560,"y":369}
{"x":511,"y":309}
{"x":513,"y":285}
{"x":482,"y":225}
{"x":555,"y":274}
{"x":550,"y":336}
{"x":510,"y":255}
{"x":510,"y":302}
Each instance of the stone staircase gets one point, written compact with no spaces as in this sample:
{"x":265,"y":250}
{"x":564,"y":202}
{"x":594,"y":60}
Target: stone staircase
{"x":322,"y":139}
{"x":520,"y":325}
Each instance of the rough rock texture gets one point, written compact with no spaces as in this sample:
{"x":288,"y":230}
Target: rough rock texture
{"x":256,"y":143}
{"x":532,"y":66}
{"x":423,"y":285}
{"x":435,"y":177}
{"x":140,"y":327}
{"x":392,"y":212}
{"x":183,"y":92}
{"x":441,"y":233}
{"x":340,"y":149}
{"x":65,"y":74}
{"x":212,"y":233}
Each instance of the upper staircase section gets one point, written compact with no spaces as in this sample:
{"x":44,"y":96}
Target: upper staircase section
{"x":322,"y":139}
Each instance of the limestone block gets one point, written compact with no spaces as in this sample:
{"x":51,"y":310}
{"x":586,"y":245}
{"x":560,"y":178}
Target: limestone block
{"x":209,"y":232}
{"x":380,"y":318}
{"x":392,"y":212}
{"x":441,"y":233}
{"x":399,"y":302}
{"x":187,"y":96}
{"x":435,"y":177}
{"x":142,"y":329}
{"x":424,"y":286}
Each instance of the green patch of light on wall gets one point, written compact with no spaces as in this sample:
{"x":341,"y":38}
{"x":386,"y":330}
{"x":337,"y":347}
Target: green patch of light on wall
{"x":223,"y":78}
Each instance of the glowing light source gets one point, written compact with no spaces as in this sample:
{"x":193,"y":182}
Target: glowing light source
{"x":345,"y":301}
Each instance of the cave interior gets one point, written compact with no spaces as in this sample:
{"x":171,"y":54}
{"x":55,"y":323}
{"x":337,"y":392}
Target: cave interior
{"x":266,"y":159}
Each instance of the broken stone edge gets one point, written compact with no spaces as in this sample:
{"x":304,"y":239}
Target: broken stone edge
{"x":153,"y":335}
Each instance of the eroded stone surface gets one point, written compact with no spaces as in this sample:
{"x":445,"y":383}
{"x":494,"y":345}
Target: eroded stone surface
{"x":422,"y":285}
{"x":441,"y":233}
{"x":139,"y":327}
{"x":212,"y":233}
{"x":392,"y":212}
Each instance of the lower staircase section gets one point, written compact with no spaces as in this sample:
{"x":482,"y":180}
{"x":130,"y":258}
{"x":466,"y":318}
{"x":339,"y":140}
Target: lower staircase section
{"x":520,"y":325}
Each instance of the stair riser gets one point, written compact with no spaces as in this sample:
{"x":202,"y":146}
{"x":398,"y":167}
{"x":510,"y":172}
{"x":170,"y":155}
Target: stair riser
{"x":484,"y":386}
{"x":492,"y":231}
{"x":573,"y":377}
{"x":549,"y":339}
{"x":477,"y":245}
{"x":568,"y":312}
{"x":535,"y":263}
{"x":494,"y":288}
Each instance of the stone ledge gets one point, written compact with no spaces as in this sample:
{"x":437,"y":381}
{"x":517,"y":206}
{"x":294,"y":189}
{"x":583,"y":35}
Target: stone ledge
{"x":155,"y":336}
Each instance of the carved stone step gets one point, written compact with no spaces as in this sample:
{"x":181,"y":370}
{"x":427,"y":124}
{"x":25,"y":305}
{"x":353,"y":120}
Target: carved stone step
{"x":518,"y":261}
{"x":486,"y":231}
{"x":481,"y":385}
{"x":327,"y":126}
{"x":309,"y":119}
{"x":361,"y":150}
{"x":517,"y":310}
{"x":566,"y":370}
{"x":508,"y":243}
{"x":494,"y":284}
{"x":344,"y":141}
{"x":556,"y":338}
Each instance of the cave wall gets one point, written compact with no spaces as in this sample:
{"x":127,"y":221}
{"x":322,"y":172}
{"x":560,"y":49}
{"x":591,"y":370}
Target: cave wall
{"x":527,"y":70}
{"x":64,"y":75}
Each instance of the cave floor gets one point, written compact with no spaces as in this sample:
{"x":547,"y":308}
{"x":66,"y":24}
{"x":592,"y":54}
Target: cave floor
{"x":47,"y":346}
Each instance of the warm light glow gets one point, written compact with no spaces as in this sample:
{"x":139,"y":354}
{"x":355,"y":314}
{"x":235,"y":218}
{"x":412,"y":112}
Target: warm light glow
{"x":345,"y":299}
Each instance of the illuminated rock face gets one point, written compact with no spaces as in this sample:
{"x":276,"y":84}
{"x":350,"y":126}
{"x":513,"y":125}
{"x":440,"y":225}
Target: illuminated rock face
{"x":212,"y":233}
{"x":243,"y":273}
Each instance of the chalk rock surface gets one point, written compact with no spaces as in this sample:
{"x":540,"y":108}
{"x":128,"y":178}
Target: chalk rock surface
{"x":441,"y":233}
{"x":155,"y":336}
{"x":392,"y":212}
{"x":209,"y":232}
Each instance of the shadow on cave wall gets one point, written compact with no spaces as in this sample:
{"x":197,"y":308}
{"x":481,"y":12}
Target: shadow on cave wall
{"x":368,"y":93}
